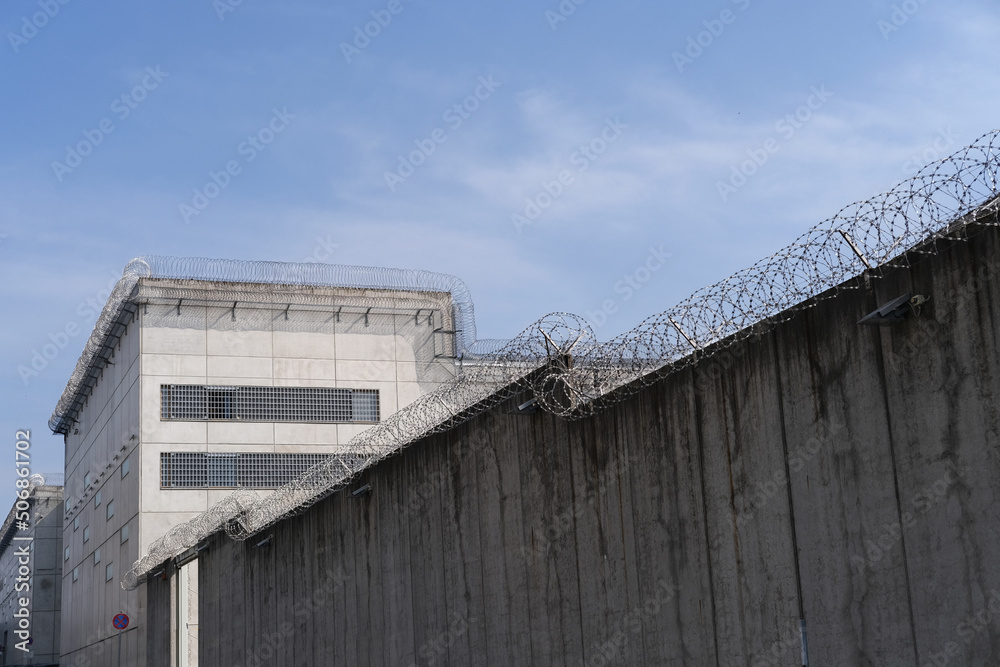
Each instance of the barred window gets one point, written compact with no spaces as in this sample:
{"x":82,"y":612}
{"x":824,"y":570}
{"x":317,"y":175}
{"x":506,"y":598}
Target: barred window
{"x":270,"y":404}
{"x":201,"y":470}
{"x":364,"y":405}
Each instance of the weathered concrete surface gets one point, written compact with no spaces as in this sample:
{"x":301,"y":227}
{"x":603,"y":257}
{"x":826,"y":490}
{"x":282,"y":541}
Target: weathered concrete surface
{"x":843,"y":474}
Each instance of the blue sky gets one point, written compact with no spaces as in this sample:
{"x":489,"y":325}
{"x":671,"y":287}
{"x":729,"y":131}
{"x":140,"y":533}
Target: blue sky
{"x":541,"y":151}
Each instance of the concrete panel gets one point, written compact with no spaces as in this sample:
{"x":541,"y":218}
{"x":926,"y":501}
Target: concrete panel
{"x":368,"y":370}
{"x":174,"y":364}
{"x":240,"y":433}
{"x":404,"y":346}
{"x":307,"y":434}
{"x":304,"y":345}
{"x":159,"y":500}
{"x":942,"y":383}
{"x":842,"y":479}
{"x":299,"y":382}
{"x":245,"y":343}
{"x":159,"y":618}
{"x":308,"y":449}
{"x":173,"y":341}
{"x":222,"y":369}
{"x":746,"y":489}
{"x":176,"y":432}
{"x":305,"y":369}
{"x":230,"y":448}
{"x":365,"y":347}
{"x":406,"y":393}
{"x":406,"y":372}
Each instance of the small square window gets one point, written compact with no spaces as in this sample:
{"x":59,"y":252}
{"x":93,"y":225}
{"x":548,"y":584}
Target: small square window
{"x":109,"y":572}
{"x":125,"y":467}
{"x":76,"y":523}
{"x":111,"y":509}
{"x":66,"y":554}
{"x":124,"y":534}
{"x":86,"y":533}
{"x":76,"y":573}
{"x":87,"y":479}
{"x":97,"y":499}
{"x":97,"y":556}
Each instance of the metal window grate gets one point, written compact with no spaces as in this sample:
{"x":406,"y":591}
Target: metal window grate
{"x":273,"y":404}
{"x":364,"y":404}
{"x":202,"y":470}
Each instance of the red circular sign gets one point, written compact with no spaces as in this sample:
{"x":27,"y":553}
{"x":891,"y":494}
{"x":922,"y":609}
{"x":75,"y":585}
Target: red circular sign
{"x":120,"y":621}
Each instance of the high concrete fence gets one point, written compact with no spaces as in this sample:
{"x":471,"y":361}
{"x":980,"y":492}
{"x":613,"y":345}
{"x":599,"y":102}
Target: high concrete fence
{"x":846,"y":475}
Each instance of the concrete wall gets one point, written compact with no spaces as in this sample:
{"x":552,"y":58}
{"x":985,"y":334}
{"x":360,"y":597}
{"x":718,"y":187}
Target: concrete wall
{"x":45,"y":563}
{"x":842,"y":474}
{"x":104,"y":438}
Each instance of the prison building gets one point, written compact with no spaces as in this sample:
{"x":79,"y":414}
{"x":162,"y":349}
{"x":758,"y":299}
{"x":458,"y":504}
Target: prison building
{"x":206,"y":376}
{"x":31,"y":537}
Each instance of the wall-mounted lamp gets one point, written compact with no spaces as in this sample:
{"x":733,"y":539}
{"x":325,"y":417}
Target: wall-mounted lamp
{"x":894,"y":311}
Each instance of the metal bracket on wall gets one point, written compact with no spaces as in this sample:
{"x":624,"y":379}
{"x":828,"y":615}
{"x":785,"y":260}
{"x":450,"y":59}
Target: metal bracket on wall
{"x":445,"y":332}
{"x":857,"y":251}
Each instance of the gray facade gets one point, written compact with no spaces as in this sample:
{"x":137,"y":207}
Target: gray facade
{"x":40,"y":550}
{"x":137,"y":464}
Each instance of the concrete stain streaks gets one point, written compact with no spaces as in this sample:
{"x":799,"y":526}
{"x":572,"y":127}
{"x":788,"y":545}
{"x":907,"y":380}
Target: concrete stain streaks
{"x":562,"y":536}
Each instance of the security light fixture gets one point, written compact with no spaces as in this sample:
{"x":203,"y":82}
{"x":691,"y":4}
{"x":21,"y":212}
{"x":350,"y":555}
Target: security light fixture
{"x":894,"y":311}
{"x":264,"y":542}
{"x":528,"y":407}
{"x":362,"y":491}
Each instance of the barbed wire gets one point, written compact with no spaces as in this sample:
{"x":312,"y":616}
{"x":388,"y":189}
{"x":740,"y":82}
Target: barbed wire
{"x":572,"y":375}
{"x":184,"y":536}
{"x":869,"y":236}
